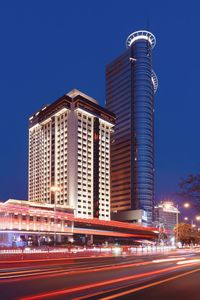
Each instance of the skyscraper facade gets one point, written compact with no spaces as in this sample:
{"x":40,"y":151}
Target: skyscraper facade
{"x":130,"y":88}
{"x":69,"y":155}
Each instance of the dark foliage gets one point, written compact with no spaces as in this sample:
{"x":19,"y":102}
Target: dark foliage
{"x":190,"y":189}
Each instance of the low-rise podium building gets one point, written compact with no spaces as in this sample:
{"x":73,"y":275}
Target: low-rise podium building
{"x":23,"y":222}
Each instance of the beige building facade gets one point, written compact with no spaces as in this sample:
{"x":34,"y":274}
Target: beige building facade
{"x":69,"y":148}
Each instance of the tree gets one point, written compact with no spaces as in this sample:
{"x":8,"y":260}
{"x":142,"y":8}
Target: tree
{"x":187,"y":234}
{"x":190,"y":189}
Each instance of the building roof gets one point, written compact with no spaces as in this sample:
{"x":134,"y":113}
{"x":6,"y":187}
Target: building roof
{"x":74,"y":96}
{"x":73,"y":93}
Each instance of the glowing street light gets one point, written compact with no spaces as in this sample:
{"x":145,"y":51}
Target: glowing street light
{"x":186,"y":205}
{"x":198,"y":218}
{"x":186,"y":218}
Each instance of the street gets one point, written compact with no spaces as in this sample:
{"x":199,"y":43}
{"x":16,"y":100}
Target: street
{"x":171,"y":276}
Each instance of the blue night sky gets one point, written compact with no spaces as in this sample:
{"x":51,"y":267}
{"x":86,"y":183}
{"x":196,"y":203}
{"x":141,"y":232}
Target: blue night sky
{"x":49,"y":47}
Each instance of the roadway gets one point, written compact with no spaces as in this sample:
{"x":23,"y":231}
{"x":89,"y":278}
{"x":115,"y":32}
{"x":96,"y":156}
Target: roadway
{"x":171,"y":276}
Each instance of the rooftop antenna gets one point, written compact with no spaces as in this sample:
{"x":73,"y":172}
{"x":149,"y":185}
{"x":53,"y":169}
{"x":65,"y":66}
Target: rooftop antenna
{"x":148,"y":29}
{"x":148,"y":24}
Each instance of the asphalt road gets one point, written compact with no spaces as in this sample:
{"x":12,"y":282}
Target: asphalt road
{"x":173,"y":276}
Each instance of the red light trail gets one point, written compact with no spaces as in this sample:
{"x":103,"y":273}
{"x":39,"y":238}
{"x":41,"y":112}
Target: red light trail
{"x":100,"y":284}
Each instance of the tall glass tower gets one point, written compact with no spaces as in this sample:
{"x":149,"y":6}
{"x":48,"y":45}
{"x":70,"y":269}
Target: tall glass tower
{"x":130,"y":88}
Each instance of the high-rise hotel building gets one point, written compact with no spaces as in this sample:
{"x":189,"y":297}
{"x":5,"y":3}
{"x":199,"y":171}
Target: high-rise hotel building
{"x":130,"y":88}
{"x":69,"y":148}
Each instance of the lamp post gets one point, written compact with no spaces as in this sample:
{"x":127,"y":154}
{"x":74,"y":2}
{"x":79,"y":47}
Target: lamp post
{"x":55,"y":189}
{"x":197,"y":218}
{"x":177,"y":231}
{"x":187,"y":205}
{"x":189,"y":221}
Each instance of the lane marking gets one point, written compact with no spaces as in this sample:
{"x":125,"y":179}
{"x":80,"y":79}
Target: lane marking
{"x":149,"y":285}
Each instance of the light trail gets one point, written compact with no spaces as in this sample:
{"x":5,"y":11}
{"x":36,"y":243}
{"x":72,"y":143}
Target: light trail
{"x":99,"y":284}
{"x":25,"y":271}
{"x":48,"y":272}
{"x":67,"y":259}
{"x":191,"y":261}
{"x":69,"y":272}
{"x":30,"y":275}
{"x":167,"y":259}
{"x":56,"y":259}
{"x":149,"y":285}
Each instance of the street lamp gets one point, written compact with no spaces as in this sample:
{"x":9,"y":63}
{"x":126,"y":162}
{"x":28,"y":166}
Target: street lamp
{"x":177,"y":224}
{"x":187,"y":205}
{"x":55,"y":189}
{"x":197,"y":218}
